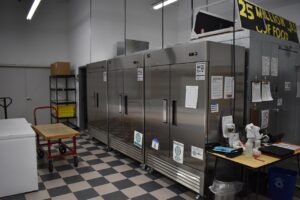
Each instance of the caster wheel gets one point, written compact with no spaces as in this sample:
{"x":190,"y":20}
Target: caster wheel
{"x":143,"y":166}
{"x":62,"y":149}
{"x":40,"y":154}
{"x":199,"y":197}
{"x":75,"y":160}
{"x":150,"y":170}
{"x":50,"y":166}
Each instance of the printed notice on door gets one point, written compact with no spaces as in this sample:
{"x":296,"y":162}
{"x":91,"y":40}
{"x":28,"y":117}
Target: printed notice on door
{"x":197,"y":152}
{"x":104,"y":76}
{"x":217,"y":87}
{"x":191,"y":96}
{"x":200,"y":71}
{"x":229,"y":88}
{"x":265,"y":65}
{"x":138,"y":139}
{"x":264,"y":119}
{"x":140,"y":74}
{"x":178,"y":151}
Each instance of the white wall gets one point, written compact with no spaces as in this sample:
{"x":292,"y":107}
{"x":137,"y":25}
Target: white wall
{"x":38,"y":42}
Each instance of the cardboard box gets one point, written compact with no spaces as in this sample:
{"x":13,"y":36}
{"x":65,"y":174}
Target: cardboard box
{"x":60,"y":68}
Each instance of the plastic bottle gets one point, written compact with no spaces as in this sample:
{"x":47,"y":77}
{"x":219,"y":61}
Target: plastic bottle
{"x":248,"y":148}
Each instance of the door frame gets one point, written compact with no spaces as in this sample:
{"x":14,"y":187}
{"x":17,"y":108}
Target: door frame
{"x":83,"y":118}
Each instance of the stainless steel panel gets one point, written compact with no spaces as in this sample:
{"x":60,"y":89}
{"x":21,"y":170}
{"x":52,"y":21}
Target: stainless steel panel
{"x":188,"y":125}
{"x":156,"y":102}
{"x":115,"y":92}
{"x":133,"y":105}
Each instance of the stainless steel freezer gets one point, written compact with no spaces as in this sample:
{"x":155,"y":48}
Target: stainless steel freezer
{"x":126,"y":105}
{"x":97,"y":101}
{"x":184,"y":101}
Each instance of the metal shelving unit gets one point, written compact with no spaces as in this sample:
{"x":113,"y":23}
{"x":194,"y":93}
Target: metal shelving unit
{"x":63,"y":92}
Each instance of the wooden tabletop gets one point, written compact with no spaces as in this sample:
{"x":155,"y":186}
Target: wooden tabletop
{"x":55,"y":131}
{"x":261,"y":161}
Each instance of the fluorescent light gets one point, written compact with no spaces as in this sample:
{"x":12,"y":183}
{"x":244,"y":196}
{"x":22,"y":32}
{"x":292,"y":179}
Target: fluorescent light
{"x":33,"y":8}
{"x":165,"y":3}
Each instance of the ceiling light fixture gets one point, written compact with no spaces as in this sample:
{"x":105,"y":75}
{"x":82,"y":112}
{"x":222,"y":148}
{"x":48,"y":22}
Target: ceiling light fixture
{"x":33,"y":9}
{"x":162,"y":4}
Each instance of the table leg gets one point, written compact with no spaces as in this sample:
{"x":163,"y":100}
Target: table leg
{"x":75,"y":152}
{"x":50,"y":162}
{"x":298,"y":164}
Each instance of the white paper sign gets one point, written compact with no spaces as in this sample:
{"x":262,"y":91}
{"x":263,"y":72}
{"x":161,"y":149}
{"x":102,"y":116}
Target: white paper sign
{"x":274,"y":66}
{"x":200,"y":71}
{"x":191,"y":96}
{"x":279,"y":102}
{"x":266,"y":91}
{"x":298,"y":90}
{"x":216,"y":87}
{"x":287,"y":86}
{"x":178,"y":151}
{"x":140,"y":74}
{"x":214,"y":107}
{"x":256,"y":92}
{"x":264,"y":119}
{"x":226,"y":120}
{"x":228,"y":87}
{"x":197,"y":152}
{"x":104,"y":76}
{"x":155,"y":144}
{"x":265,"y":66}
{"x":138,"y":139}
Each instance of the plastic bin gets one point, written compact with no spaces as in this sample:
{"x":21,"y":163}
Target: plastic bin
{"x":66,"y":110}
{"x":281,"y":183}
{"x":225,"y":190}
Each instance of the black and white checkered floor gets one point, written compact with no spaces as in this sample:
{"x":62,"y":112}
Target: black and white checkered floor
{"x":101,"y":175}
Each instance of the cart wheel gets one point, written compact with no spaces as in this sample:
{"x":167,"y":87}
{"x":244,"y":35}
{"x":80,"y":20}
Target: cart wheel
{"x":75,"y":160}
{"x":50,"y":165}
{"x":40,"y":153}
{"x":62,"y":149}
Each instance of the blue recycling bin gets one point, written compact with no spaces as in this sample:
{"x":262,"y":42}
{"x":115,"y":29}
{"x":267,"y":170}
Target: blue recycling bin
{"x":281,"y":183}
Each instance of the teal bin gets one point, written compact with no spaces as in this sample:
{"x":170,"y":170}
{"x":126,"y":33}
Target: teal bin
{"x":281,"y":183}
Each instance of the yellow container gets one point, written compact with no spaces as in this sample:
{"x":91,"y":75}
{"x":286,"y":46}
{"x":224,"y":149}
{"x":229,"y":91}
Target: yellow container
{"x":66,"y":110}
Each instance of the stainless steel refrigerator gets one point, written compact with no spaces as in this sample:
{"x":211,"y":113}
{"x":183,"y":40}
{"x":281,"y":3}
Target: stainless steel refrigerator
{"x":188,"y":88}
{"x":97,"y":101}
{"x":126,"y":105}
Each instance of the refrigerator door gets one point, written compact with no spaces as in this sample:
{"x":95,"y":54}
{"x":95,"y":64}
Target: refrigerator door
{"x":188,"y":113}
{"x":115,"y":103}
{"x":133,"y":105}
{"x":156,"y":110}
{"x":101,"y":99}
{"x":91,"y":97}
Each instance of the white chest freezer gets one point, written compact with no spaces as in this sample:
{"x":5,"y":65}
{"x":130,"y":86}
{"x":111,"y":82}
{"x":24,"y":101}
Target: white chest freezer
{"x":18,"y":164}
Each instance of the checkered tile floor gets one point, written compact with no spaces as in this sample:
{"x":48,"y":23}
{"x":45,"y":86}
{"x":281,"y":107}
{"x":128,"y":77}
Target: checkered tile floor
{"x":101,"y":175}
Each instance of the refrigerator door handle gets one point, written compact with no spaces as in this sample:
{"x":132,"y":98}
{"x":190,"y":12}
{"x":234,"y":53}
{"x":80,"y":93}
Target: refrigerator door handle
{"x":97,"y":100}
{"x":165,"y":111}
{"x":120,"y":103}
{"x":94,"y":96}
{"x":174,"y":112}
{"x":126,"y":105}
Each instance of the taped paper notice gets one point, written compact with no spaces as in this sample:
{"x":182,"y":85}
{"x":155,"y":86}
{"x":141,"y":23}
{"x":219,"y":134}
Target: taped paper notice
{"x":197,"y":152}
{"x":178,"y":151}
{"x":216,"y":87}
{"x":279,"y":102}
{"x":266,"y":91}
{"x":265,"y":66}
{"x":287,"y":86}
{"x":200,"y":71}
{"x":138,"y":139}
{"x":229,"y":88}
{"x":256,"y":92}
{"x":298,"y":90}
{"x":274,"y":66}
{"x":140,"y":74}
{"x":214,"y":107}
{"x":264,"y":119}
{"x":155,"y":144}
{"x":191,"y":96}
{"x":104,"y":76}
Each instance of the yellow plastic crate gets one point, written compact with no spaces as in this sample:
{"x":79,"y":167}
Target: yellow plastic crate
{"x":66,"y":110}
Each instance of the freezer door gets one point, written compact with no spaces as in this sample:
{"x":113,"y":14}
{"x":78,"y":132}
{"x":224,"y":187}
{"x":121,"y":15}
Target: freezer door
{"x":133,"y":104}
{"x":91,"y":98}
{"x":188,"y":113}
{"x":115,"y":103}
{"x":101,"y":100}
{"x":156,"y":109}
